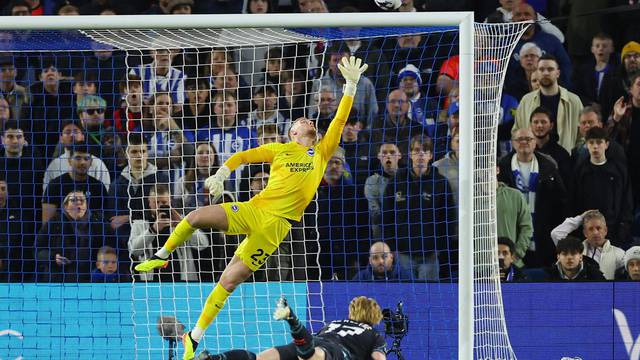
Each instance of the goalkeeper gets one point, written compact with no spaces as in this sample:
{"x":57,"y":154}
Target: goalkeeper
{"x":351,"y":339}
{"x":297,"y":168}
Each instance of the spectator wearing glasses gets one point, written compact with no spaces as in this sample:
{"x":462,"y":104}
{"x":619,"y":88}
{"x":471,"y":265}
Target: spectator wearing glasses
{"x":395,"y":123}
{"x":537,"y":177}
{"x":66,"y":244}
{"x":76,"y":179}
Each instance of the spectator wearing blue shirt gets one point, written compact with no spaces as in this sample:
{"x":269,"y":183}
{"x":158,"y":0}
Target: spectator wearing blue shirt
{"x":225,"y":135}
{"x":160,"y":76}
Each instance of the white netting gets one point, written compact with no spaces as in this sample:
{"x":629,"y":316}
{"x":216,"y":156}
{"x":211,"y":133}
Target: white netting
{"x":493,"y":46}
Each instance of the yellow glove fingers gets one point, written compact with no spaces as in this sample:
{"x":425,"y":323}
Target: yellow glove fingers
{"x":341,"y":68}
{"x":363,"y":68}
{"x":345,"y":62}
{"x":358,"y":63}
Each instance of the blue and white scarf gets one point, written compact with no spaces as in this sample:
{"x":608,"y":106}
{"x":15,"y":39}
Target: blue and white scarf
{"x":529,"y":189}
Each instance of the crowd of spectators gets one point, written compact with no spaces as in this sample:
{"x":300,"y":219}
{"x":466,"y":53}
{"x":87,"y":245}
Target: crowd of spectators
{"x":104,"y":151}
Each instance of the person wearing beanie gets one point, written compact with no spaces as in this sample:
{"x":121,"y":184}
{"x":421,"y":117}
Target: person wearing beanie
{"x":422,"y":110}
{"x":631,"y":268}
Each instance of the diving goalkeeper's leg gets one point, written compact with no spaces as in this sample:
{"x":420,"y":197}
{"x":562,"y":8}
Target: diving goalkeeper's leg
{"x":234,"y":274}
{"x":303,"y":340}
{"x":212,"y":216}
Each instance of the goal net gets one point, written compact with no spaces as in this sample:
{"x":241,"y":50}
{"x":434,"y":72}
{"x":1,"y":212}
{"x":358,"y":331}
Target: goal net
{"x":120,"y":128}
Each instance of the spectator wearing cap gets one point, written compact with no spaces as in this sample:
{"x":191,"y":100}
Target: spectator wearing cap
{"x":420,"y":192}
{"x":17,"y":96}
{"x":630,"y":56}
{"x":631,"y":268}
{"x":604,"y":185}
{"x":71,"y":133}
{"x":596,"y":245}
{"x":265,"y":102}
{"x":342,"y":219}
{"x":180,"y":7}
{"x":91,"y":111}
{"x":421,"y":109}
{"x":51,"y":102}
{"x":160,"y":76}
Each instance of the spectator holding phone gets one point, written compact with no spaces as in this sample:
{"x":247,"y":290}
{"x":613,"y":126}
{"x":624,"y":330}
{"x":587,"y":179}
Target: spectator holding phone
{"x":149,"y":233}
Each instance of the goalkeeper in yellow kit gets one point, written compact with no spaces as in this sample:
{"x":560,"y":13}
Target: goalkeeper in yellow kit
{"x":297,"y":168}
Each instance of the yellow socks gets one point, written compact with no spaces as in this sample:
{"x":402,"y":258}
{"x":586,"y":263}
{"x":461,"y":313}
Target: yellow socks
{"x":180,"y":234}
{"x":212,"y":307}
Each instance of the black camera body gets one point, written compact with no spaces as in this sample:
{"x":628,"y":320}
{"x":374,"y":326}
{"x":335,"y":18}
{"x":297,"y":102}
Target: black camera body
{"x":164,"y":211}
{"x":395,"y":323}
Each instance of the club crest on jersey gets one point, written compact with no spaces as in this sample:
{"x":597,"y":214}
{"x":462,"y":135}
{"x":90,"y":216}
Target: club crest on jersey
{"x":234,"y":208}
{"x":311,"y":152}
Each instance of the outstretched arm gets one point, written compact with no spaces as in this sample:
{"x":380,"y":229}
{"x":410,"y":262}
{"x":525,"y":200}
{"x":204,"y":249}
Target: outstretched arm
{"x":351,"y":70}
{"x":215,"y":183}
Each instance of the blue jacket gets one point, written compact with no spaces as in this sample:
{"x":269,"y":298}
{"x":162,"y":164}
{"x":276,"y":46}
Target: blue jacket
{"x":550,"y":45}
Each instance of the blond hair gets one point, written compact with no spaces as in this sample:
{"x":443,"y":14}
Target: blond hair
{"x":365,"y":310}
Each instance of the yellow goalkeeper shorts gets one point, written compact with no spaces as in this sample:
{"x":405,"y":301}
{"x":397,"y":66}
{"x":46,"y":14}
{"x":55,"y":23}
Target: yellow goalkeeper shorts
{"x":264,"y":231}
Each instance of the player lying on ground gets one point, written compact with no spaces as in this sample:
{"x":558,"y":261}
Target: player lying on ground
{"x":297,"y":168}
{"x":352,"y":339}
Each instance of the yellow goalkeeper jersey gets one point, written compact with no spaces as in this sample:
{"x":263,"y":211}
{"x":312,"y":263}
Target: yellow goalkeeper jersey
{"x":296,"y":170}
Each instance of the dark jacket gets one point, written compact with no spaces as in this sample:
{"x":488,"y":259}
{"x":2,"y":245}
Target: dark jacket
{"x":60,"y":235}
{"x":589,"y":272}
{"x":16,"y":246}
{"x":397,"y":273}
{"x":419,"y":213}
{"x":606,"y":188}
{"x":585,"y":86}
{"x":551,"y":204}
{"x":561,"y":157}
{"x":515,"y":274}
{"x":627,"y":133}
{"x":343,"y":224}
